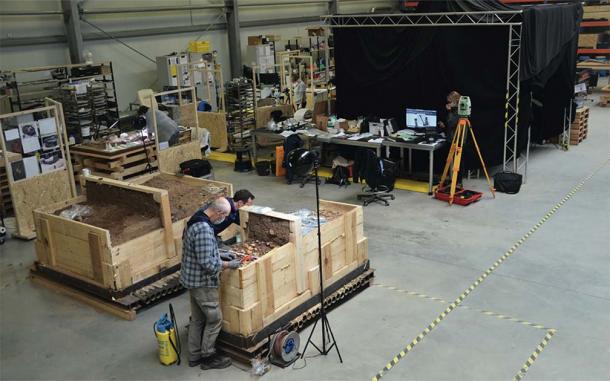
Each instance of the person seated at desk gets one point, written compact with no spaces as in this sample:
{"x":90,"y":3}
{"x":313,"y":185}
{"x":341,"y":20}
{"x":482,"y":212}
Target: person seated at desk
{"x":167,"y":128}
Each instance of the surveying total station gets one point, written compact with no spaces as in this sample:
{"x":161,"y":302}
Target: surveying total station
{"x":455,"y":156}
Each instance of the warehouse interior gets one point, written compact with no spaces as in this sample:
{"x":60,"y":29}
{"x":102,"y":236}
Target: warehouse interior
{"x":349,"y":189}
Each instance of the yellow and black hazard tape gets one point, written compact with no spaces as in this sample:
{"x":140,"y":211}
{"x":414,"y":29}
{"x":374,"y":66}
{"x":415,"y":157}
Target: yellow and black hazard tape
{"x":481,"y":311}
{"x":487,"y":272}
{"x":530,"y":360}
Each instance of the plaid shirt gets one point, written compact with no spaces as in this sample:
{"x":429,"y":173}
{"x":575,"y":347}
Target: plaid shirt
{"x":201,"y":263}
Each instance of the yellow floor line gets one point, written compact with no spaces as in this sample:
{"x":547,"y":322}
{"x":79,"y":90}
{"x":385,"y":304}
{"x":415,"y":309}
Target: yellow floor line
{"x":403,"y":184}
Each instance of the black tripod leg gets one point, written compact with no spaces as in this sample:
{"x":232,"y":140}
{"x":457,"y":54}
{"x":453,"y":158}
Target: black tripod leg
{"x":331,"y":335}
{"x":309,"y":338}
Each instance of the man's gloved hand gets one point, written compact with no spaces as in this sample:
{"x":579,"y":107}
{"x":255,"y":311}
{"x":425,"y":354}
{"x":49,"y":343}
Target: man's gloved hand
{"x":226,"y":256}
{"x":234,"y":264}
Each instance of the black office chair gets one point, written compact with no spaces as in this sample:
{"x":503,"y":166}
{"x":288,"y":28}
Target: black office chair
{"x":380,"y":176}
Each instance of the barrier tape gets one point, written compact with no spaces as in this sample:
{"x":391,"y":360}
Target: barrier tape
{"x":402,"y":354}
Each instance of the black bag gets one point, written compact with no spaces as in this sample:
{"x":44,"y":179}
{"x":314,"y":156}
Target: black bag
{"x":196,"y":167}
{"x":340,"y":176}
{"x":508,"y":182}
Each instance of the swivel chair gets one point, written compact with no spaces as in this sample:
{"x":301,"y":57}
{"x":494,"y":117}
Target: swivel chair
{"x":379,"y":176}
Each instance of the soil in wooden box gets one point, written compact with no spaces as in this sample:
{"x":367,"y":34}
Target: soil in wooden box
{"x":268,"y":229}
{"x":126,"y":214}
{"x":185,"y":198}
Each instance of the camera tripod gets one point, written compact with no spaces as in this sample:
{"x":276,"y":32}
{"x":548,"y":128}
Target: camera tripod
{"x":455,"y":157}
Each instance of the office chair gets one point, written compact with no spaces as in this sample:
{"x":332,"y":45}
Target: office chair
{"x":379,"y":176}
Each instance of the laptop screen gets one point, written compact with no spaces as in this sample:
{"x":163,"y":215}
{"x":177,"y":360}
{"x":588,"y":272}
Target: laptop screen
{"x":417,"y":118}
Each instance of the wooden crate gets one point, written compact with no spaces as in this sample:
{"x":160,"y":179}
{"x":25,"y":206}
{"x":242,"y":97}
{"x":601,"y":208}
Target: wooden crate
{"x":261,"y":292}
{"x":588,"y":40}
{"x":88,"y":254}
{"x":178,"y":226}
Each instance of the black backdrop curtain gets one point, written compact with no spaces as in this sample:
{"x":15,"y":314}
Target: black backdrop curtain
{"x":382,"y":71}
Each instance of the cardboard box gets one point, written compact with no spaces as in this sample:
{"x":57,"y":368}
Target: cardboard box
{"x":255,"y":40}
{"x":321,"y":122}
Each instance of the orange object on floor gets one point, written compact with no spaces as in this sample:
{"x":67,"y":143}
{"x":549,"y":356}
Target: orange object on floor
{"x":279,"y":158}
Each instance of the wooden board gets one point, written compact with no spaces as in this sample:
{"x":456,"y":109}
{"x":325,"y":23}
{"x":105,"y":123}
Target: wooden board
{"x":263,"y":114}
{"x":169,"y":159}
{"x":216,"y":124}
{"x":37,"y":191}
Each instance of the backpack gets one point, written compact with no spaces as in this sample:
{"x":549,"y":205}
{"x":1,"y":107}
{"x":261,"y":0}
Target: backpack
{"x":340,"y":176}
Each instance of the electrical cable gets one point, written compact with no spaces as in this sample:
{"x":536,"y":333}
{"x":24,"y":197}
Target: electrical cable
{"x":118,"y":40}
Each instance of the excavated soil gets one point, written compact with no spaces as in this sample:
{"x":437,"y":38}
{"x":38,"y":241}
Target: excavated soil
{"x":254,"y":247}
{"x":126,"y":214}
{"x":185,"y":198}
{"x":330,"y":214}
{"x":268,"y":229}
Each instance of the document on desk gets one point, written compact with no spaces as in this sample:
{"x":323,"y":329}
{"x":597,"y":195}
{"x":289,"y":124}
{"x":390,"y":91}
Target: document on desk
{"x":287,"y":133}
{"x":378,"y":140}
{"x":360,"y":136}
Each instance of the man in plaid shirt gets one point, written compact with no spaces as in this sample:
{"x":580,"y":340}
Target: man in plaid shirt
{"x":201,"y":267}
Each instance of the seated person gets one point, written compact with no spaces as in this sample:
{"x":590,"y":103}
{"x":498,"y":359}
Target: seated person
{"x":166,"y":126}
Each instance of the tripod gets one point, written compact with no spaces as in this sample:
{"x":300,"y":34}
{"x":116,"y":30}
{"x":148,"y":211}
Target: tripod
{"x":327,"y":333}
{"x":455,"y":157}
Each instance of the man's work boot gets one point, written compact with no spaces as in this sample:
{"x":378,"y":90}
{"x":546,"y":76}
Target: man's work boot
{"x":215,"y":361}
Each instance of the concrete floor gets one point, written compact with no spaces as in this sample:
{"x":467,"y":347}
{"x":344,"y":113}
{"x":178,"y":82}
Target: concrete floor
{"x":559,"y":278}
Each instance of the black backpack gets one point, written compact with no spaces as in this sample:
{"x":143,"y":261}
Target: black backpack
{"x":340,"y":176}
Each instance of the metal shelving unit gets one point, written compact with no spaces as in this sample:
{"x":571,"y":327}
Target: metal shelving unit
{"x":239,"y":102}
{"x":27,"y":89}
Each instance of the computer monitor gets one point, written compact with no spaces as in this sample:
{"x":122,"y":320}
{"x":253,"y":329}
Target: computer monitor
{"x":417,"y":118}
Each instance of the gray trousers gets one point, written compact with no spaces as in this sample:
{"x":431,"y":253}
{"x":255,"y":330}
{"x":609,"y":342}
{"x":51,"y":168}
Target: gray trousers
{"x":206,"y":322}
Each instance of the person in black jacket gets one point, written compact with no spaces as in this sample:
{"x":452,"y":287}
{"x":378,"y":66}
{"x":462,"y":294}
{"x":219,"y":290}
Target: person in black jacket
{"x":450,"y":125}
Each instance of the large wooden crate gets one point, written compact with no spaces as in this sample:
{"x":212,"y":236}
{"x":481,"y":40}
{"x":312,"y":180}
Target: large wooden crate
{"x":261,"y":292}
{"x":225,"y":189}
{"x":87,"y":253}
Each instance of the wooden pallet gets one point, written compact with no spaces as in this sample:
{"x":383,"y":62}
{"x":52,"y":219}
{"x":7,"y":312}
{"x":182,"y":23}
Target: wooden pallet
{"x":579,"y":128}
{"x":118,"y":165}
{"x":145,"y":294}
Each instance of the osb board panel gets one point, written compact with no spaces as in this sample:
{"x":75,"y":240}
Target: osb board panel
{"x":216,"y":124}
{"x":263,"y":114}
{"x":169,"y":159}
{"x":36,"y":192}
{"x":188,"y":114}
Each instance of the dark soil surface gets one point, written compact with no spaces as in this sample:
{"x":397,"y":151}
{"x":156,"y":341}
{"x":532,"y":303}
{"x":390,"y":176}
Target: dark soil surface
{"x":126,"y":214}
{"x":268,"y":229}
{"x":184,"y":198}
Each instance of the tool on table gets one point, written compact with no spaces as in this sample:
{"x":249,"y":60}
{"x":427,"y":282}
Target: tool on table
{"x":455,"y":153}
{"x":244,"y":258}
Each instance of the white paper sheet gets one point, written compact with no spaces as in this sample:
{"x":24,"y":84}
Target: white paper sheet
{"x":47,"y":126}
{"x":11,"y":134}
{"x":31,"y":166}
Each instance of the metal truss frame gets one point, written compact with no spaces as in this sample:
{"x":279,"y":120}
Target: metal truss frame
{"x":511,"y":19}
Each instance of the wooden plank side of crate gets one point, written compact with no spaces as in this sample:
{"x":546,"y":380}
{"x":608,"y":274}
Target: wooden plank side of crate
{"x":74,"y":248}
{"x":159,"y":195}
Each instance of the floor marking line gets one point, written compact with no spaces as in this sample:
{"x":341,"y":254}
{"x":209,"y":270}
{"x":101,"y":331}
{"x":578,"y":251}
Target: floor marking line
{"x":534,"y":356}
{"x":497,"y":315}
{"x":490,"y":270}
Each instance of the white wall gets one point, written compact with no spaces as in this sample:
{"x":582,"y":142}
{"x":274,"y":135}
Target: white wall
{"x":133,"y":71}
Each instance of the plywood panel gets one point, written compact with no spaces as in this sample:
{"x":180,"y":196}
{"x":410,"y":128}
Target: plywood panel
{"x":263,"y":114}
{"x":188,"y":115}
{"x":216,"y":124}
{"x":169,"y":159}
{"x":35,"y":192}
